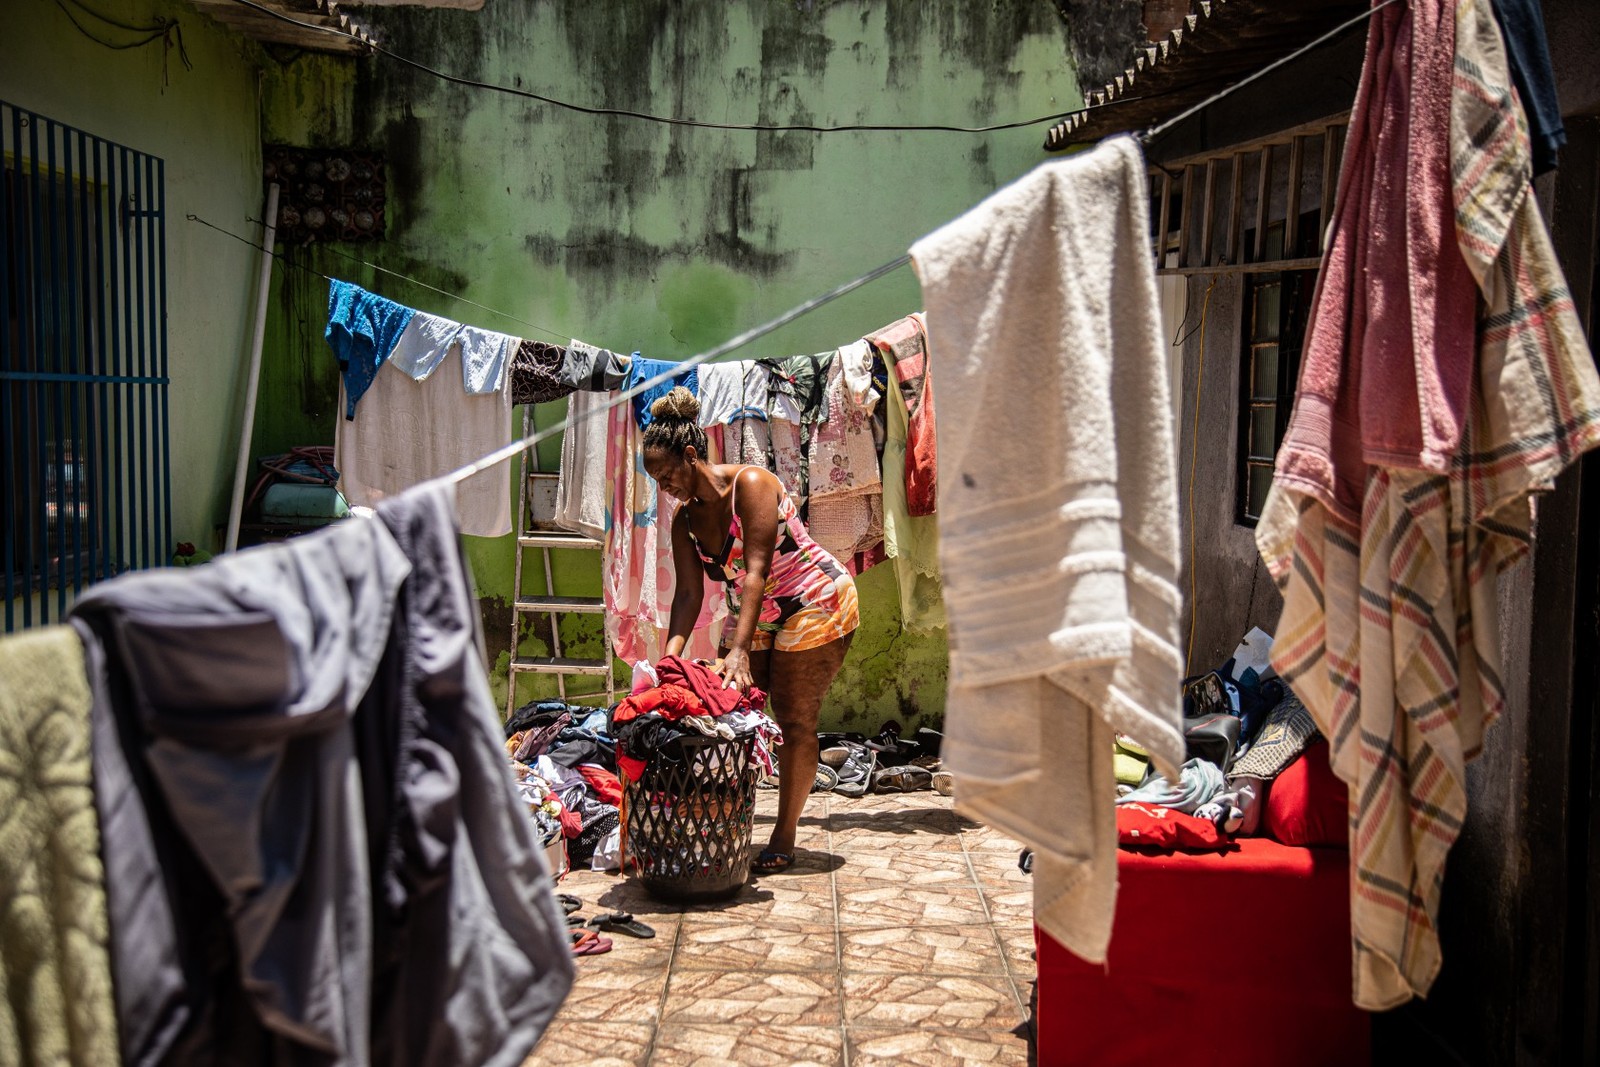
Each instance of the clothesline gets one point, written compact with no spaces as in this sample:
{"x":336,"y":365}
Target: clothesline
{"x":622,"y":396}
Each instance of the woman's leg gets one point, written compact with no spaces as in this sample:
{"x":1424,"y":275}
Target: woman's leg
{"x":799,"y":682}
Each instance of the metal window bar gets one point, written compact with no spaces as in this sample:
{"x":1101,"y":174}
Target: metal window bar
{"x":85,"y":467}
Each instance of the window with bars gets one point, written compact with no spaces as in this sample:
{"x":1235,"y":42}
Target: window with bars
{"x":84,"y":463}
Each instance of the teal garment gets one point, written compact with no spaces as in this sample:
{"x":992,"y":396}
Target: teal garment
{"x":362,"y":330}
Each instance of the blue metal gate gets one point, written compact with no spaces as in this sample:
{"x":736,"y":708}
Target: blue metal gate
{"x":84,"y":463}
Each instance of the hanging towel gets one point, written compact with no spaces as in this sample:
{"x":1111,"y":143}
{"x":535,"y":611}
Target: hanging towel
{"x":1528,"y":50}
{"x":485,"y":355}
{"x":637,"y":576}
{"x":536,"y":374}
{"x":595,"y":370}
{"x":1059,"y":537}
{"x":1390,"y":625}
{"x":411,"y":432}
{"x":423,"y":344}
{"x":363,"y":329}
{"x":55,"y":968}
{"x":642,"y":370}
{"x":905,"y":349}
{"x":581,"y":485}
{"x":1388,"y":351}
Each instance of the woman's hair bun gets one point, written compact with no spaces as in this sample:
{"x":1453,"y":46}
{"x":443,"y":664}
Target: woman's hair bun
{"x":679,"y":403}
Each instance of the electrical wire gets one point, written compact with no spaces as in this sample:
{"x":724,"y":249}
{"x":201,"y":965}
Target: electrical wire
{"x":668,"y":120}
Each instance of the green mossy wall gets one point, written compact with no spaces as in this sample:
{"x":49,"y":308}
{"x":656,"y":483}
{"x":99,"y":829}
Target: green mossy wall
{"x":664,"y":240}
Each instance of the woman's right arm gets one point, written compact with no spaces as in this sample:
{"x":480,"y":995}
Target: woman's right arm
{"x":689,"y":586}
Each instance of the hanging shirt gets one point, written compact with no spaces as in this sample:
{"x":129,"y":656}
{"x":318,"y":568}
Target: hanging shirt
{"x":536,"y":374}
{"x":730,"y":391}
{"x":363,"y":329}
{"x":642,"y":370}
{"x":592,"y":369}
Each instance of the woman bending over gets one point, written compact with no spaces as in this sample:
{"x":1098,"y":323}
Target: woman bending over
{"x":794,"y":606}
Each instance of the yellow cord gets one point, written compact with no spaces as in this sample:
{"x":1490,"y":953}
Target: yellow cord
{"x":1194,"y":454}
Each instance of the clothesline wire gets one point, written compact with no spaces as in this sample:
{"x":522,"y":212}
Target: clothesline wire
{"x":669,"y":120}
{"x":506,"y":452}
{"x":373,"y":266}
{"x":1349,"y":24}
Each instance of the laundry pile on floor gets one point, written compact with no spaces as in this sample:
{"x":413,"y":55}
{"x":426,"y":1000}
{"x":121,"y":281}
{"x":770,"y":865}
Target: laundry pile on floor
{"x":1246,"y":737}
{"x":852,"y":765}
{"x":565,"y":764}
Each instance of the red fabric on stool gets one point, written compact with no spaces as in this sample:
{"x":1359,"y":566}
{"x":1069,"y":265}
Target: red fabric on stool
{"x":1307,"y":804}
{"x":1216,"y":958}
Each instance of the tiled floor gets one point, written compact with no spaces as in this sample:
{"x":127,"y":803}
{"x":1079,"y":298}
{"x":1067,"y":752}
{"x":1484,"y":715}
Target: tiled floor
{"x":902,"y":935}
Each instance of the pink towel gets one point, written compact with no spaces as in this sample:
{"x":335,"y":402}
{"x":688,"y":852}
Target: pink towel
{"x":1388,"y":363}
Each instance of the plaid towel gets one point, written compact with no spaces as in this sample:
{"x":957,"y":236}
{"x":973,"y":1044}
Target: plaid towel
{"x":1390,"y":625}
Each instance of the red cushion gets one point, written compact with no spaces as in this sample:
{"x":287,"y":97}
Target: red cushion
{"x":1307,"y":804}
{"x":1281,"y":916}
{"x":1152,"y":826}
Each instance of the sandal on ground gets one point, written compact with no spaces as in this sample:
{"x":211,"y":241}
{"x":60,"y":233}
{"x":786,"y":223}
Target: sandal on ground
{"x":771,"y":862}
{"x":569,"y":903}
{"x":944,"y":783}
{"x":576,"y":920}
{"x":620,"y":922}
{"x":827,"y":778}
{"x":768,"y":782}
{"x":588,"y":943}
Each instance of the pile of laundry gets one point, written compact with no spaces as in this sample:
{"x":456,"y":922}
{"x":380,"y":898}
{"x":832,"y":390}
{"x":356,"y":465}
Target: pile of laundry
{"x":1242,"y":729}
{"x":852,"y":765}
{"x":679,"y":698}
{"x":564,"y":760}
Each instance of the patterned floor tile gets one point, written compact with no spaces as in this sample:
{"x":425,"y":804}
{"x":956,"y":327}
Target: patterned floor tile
{"x":734,"y":944}
{"x":906,"y":867}
{"x":1018,"y":945}
{"x":608,"y":892}
{"x":937,"y":1048}
{"x":899,"y":821}
{"x":858,"y":843}
{"x":922,"y":950}
{"x":753,"y":999}
{"x":786,"y":899}
{"x":907,"y":907}
{"x":939,"y":1001}
{"x":757,"y":1046}
{"x":1009,"y":904}
{"x":592,"y":1043}
{"x":983,"y":839}
{"x":613,"y":994}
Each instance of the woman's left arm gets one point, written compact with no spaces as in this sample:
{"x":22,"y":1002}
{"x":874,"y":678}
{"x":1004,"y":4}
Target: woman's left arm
{"x":758,"y":523}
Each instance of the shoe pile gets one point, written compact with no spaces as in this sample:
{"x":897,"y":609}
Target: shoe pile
{"x":887,"y":763}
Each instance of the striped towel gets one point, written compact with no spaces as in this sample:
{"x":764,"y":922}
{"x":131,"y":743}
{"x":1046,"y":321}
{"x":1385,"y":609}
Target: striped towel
{"x":1390,"y":630}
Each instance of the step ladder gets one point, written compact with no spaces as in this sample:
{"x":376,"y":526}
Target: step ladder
{"x":536,"y":486}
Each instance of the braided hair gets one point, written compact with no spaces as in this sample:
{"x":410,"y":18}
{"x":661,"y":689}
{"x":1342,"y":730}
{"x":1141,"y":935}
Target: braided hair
{"x":674,"y":426}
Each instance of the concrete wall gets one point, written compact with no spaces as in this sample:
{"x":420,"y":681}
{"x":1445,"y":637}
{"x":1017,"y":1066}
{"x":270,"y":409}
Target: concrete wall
{"x":665,"y":240}
{"x":203,"y":123}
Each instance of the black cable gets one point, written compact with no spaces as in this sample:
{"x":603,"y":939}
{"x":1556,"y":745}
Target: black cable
{"x":666,"y":119}
{"x":152,"y":34}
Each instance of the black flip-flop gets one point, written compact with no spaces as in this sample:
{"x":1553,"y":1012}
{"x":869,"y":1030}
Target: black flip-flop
{"x":772,"y":862}
{"x":569,"y":903}
{"x":620,"y":922}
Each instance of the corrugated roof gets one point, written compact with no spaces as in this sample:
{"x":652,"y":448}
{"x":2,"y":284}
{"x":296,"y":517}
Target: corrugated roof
{"x":353,"y":37}
{"x":1220,"y":42}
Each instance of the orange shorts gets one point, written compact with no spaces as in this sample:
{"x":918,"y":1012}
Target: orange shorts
{"x":813,"y":627}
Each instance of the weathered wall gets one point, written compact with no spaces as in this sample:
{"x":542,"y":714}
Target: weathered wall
{"x":666,"y":240}
{"x":203,"y":123}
